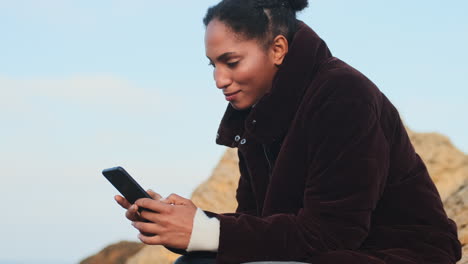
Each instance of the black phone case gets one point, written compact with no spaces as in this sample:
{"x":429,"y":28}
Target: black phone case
{"x":125,"y":184}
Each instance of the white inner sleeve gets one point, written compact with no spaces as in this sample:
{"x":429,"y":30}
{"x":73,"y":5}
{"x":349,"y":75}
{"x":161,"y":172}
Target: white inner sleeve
{"x":205,"y":233}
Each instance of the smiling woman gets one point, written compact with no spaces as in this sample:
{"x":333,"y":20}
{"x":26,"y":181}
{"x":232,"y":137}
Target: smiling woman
{"x":328,"y":173}
{"x":243,"y":70}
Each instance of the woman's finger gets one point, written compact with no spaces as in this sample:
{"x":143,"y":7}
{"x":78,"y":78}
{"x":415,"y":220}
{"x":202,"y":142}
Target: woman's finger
{"x":154,"y":195}
{"x":153,"y":217}
{"x":132,"y":213}
{"x":150,"y":240}
{"x":122,"y":201}
{"x":175,"y":199}
{"x":153,"y":205}
{"x":147,"y":228}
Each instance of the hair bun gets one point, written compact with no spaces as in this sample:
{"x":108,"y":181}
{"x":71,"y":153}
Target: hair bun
{"x":298,"y":5}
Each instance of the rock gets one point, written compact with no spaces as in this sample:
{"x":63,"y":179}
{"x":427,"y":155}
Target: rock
{"x":447,"y":165}
{"x":464,"y":259}
{"x":456,"y":206}
{"x":218,"y":193}
{"x":153,"y":254}
{"x":115,"y":254}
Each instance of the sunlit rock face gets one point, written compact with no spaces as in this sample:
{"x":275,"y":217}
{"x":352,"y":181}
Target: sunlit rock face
{"x":456,"y":206}
{"x":447,"y":166}
{"x":218,"y":193}
{"x":153,"y":255}
{"x":117,"y":253}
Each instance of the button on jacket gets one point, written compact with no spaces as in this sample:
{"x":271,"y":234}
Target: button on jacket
{"x":328,"y":173}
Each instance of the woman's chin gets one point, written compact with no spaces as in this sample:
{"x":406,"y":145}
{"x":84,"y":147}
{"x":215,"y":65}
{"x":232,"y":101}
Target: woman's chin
{"x":240,"y":106}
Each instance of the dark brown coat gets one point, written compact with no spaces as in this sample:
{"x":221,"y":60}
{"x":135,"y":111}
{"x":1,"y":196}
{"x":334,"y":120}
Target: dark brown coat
{"x":328,"y":173}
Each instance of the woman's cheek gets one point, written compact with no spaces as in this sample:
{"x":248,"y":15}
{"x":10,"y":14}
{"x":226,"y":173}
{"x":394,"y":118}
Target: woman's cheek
{"x":247,"y":74}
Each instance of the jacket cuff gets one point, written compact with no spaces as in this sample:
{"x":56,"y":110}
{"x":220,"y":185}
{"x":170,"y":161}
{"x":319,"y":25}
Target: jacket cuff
{"x":205,"y":233}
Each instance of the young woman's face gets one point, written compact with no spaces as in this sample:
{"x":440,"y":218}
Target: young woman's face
{"x":241,"y":67}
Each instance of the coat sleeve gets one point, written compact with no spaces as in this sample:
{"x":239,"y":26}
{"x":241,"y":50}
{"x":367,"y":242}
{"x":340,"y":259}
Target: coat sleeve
{"x":347,"y":169}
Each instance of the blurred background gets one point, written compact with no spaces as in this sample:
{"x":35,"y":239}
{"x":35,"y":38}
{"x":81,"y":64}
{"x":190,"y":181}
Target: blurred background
{"x":86,"y":85}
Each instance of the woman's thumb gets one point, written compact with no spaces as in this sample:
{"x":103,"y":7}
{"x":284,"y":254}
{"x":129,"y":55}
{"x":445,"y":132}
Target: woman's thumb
{"x":154,"y":195}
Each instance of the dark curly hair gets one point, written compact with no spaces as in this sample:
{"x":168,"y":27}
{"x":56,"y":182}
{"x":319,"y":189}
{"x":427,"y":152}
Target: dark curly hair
{"x":258,"y":19}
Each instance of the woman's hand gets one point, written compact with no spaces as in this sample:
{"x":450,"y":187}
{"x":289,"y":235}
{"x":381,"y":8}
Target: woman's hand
{"x":132,"y":213}
{"x":171,"y":220}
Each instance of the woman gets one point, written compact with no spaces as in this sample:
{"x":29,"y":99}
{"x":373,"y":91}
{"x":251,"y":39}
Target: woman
{"x":328,"y":174}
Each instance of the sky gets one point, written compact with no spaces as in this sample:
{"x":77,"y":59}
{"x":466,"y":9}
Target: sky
{"x":86,"y":85}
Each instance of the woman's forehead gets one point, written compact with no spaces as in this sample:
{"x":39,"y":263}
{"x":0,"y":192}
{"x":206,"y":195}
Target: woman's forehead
{"x":218,"y":32}
{"x":219,"y":39}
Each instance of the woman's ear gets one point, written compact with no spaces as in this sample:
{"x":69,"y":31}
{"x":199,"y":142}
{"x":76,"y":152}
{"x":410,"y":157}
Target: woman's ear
{"x":279,"y":48}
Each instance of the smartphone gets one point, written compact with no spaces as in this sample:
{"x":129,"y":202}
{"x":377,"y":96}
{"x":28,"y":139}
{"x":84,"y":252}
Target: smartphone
{"x":125,"y":184}
{"x":131,"y":190}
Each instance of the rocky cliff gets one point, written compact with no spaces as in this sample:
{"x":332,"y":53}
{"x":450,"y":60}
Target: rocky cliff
{"x":115,"y":254}
{"x":447,"y":165}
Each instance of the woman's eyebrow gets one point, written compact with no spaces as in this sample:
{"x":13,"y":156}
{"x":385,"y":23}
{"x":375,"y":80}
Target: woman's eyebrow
{"x":223,"y":56}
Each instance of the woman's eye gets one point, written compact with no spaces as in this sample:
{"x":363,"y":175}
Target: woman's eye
{"x":232,"y":64}
{"x":211,"y":64}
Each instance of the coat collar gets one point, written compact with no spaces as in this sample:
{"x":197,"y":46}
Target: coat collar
{"x":269,"y":119}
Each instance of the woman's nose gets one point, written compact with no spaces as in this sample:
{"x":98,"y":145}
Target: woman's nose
{"x":222,"y":78}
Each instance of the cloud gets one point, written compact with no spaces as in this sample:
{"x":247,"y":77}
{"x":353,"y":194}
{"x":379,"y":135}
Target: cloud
{"x":105,"y":92}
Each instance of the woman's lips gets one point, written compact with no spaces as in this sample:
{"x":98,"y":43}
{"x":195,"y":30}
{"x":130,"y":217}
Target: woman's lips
{"x":231,"y":96}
